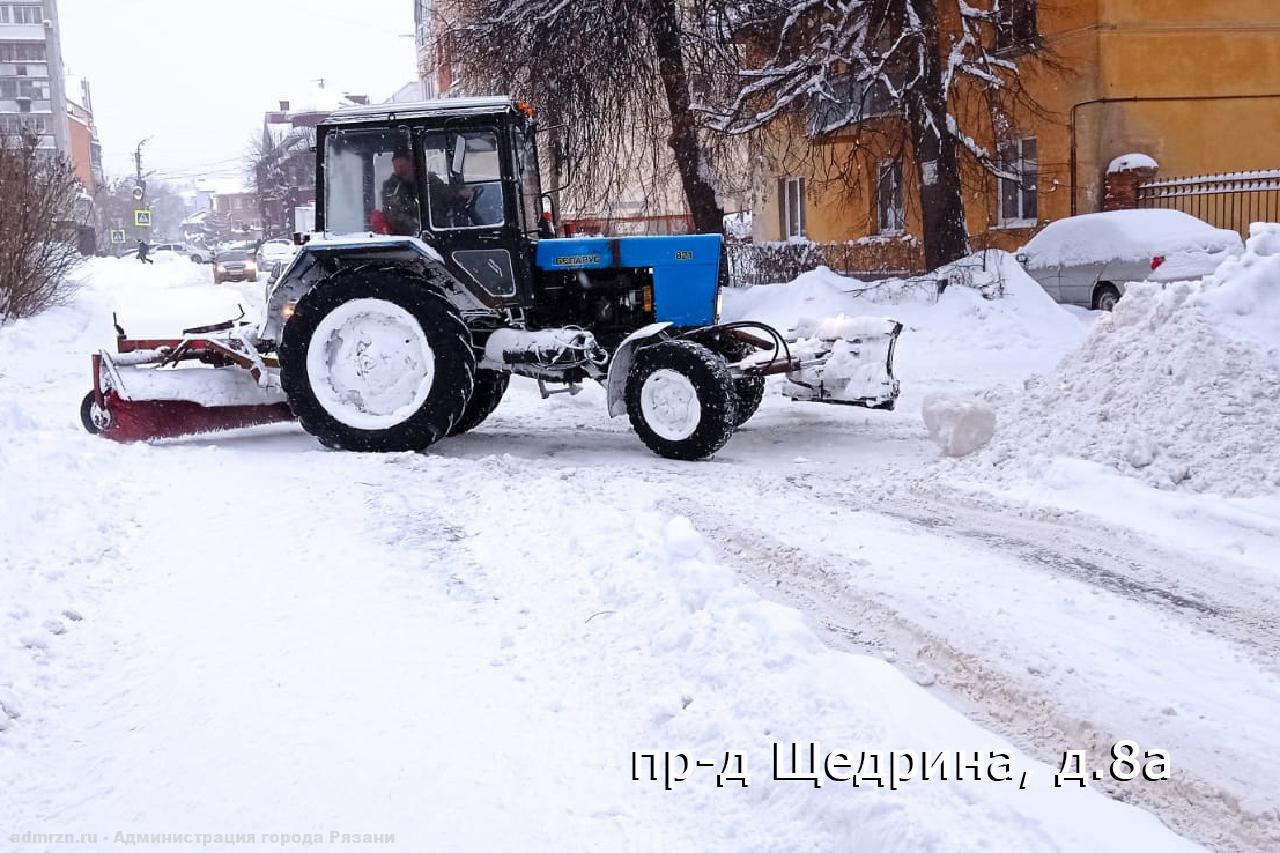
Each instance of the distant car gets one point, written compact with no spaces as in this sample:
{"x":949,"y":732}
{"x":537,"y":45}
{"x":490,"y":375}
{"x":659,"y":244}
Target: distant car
{"x":154,"y":249}
{"x":275,"y":251}
{"x":234,"y":265}
{"x":1087,"y":260}
{"x":199,"y":254}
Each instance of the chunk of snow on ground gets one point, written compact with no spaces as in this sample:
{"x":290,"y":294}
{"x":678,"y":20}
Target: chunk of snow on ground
{"x":959,"y":427}
{"x":1125,"y":235}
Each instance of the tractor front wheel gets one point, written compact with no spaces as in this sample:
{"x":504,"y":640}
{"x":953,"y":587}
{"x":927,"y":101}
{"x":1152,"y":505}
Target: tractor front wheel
{"x":681,"y":400}
{"x":374,"y":359}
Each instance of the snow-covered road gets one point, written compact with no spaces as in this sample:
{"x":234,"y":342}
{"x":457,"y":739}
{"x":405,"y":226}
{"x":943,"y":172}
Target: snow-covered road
{"x":248,"y":634}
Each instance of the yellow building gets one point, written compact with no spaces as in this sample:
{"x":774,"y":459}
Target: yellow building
{"x":1193,"y":84}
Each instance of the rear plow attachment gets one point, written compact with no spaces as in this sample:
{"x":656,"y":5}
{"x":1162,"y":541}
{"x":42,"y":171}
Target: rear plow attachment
{"x":213,"y":378}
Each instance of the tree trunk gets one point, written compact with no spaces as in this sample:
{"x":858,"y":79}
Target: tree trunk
{"x":692,"y":160}
{"x":937,"y":158}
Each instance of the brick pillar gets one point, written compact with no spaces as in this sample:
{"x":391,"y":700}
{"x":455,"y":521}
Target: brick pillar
{"x":1120,"y":188}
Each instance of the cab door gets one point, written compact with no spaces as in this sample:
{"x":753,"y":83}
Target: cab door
{"x":470,"y":209}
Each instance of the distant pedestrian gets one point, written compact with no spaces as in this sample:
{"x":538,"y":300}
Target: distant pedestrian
{"x":143,"y":248}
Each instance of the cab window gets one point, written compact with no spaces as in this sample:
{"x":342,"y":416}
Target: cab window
{"x":463,"y":180}
{"x":370,"y":182}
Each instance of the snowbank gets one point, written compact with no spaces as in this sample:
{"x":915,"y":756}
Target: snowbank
{"x":1125,"y":235}
{"x":1243,"y":296}
{"x":1180,"y":387}
{"x":992,"y":325}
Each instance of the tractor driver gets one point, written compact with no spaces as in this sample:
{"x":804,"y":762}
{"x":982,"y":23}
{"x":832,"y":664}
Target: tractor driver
{"x":450,"y":203}
{"x":400,"y":196}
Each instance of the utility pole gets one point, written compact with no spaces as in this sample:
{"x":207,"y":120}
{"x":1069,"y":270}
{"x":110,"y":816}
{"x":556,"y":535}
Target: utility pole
{"x":140,"y":183}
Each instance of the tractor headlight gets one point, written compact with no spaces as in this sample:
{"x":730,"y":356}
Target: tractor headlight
{"x":286,"y":311}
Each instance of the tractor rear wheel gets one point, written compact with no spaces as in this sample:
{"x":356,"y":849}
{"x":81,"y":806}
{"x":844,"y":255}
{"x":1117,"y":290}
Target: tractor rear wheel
{"x":490,"y":386}
{"x":374,"y":359}
{"x":681,"y":400}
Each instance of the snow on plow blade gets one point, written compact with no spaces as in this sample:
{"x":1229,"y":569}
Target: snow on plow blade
{"x":169,"y":388}
{"x":842,"y":360}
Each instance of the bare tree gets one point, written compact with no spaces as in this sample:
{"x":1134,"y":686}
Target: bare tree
{"x":39,"y":223}
{"x":620,"y":75}
{"x":932,"y":91}
{"x":276,"y":167}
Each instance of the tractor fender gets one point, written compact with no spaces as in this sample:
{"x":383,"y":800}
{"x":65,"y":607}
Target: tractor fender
{"x":620,"y":366}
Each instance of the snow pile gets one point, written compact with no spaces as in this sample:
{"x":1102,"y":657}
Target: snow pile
{"x":1125,"y":235}
{"x":1168,"y":389}
{"x":1244,"y":294}
{"x":992,"y":325}
{"x":1127,"y":162}
{"x":959,"y":427}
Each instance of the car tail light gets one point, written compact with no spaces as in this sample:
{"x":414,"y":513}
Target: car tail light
{"x":1157,"y":261}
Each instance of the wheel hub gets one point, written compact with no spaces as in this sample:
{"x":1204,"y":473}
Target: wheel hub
{"x":370,"y":364}
{"x":670,"y":405}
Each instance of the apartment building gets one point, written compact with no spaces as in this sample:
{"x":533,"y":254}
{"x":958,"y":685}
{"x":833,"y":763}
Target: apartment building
{"x":32,"y":89}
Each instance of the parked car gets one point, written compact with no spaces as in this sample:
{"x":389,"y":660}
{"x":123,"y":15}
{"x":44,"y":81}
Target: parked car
{"x":275,"y":251}
{"x":236,"y":265}
{"x":158,"y":248}
{"x":1087,"y":260}
{"x":199,"y":254}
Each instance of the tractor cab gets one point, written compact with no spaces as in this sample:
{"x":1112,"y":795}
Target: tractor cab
{"x":460,"y":174}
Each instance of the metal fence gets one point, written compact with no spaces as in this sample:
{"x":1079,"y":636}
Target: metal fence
{"x":1232,"y":200}
{"x":768,"y":263}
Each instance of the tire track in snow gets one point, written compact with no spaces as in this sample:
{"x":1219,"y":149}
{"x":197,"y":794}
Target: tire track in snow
{"x":1042,"y":721}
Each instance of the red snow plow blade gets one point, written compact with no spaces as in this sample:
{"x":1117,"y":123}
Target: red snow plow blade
{"x":211,"y":379}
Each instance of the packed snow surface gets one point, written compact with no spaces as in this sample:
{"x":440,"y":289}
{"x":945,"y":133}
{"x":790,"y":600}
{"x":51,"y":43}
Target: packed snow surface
{"x":1125,"y":235}
{"x":244,"y":632}
{"x":1179,"y":387}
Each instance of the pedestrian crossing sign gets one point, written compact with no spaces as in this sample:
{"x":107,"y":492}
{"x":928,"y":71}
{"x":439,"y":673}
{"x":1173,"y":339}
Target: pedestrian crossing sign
{"x":142,"y":218}
{"x":117,"y":235}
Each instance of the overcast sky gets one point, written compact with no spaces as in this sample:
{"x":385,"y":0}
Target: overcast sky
{"x":199,"y":74}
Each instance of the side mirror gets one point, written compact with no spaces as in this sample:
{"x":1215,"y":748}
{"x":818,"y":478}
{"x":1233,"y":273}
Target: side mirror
{"x":547,"y":221}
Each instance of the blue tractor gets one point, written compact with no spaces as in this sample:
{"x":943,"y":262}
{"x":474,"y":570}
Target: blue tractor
{"x":435,"y":275}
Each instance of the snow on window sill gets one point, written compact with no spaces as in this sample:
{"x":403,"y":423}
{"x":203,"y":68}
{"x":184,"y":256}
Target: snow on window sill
{"x":1016,"y":224}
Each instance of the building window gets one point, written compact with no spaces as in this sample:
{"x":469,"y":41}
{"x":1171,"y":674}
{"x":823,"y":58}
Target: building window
{"x":24,"y":87}
{"x":4,"y":14}
{"x":28,"y":14}
{"x":889,"y":214}
{"x":1018,"y":191}
{"x":791,"y":208}
{"x":1016,"y":23}
{"x":16,"y":51}
{"x":852,"y":100}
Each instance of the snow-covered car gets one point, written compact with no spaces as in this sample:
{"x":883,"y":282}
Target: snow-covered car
{"x":275,"y":251}
{"x":1087,"y":260}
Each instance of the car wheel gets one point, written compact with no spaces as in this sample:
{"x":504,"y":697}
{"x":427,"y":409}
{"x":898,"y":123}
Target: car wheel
{"x":1105,"y":297}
